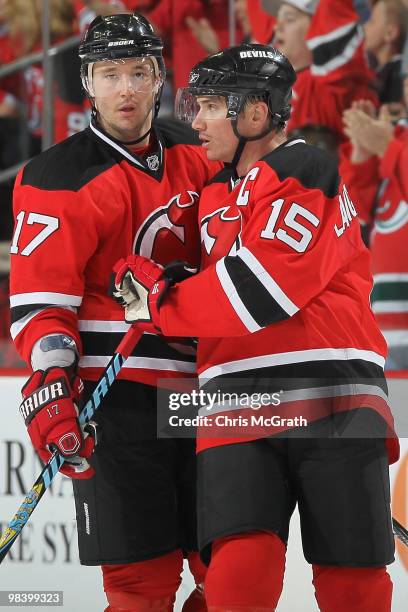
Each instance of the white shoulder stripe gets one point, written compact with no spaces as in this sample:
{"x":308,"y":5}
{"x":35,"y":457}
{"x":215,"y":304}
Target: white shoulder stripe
{"x":43,"y":297}
{"x":234,"y":299}
{"x":266,"y":279}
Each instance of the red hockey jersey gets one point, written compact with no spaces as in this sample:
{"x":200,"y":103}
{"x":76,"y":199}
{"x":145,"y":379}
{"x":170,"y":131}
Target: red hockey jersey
{"x":283,"y":298}
{"x":379,"y":189}
{"x":79,"y":207}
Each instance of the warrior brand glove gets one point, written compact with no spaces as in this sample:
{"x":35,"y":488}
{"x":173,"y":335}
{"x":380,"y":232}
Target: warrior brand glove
{"x":50,"y":411}
{"x":140,"y":286}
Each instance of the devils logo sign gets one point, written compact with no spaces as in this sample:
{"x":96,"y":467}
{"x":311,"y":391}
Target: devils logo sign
{"x":169,"y":230}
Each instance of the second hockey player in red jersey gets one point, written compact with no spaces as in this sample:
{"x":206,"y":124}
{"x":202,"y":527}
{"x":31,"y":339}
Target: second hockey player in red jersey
{"x":285,"y":281}
{"x":123,"y":184}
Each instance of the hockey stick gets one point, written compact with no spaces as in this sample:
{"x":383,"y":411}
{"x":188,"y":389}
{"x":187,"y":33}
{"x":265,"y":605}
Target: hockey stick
{"x":56,"y":460}
{"x":400,"y":531}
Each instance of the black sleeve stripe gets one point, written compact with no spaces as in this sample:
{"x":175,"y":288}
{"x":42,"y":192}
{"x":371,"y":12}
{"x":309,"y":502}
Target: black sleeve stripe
{"x":20,"y":312}
{"x":105,"y":344}
{"x":22,"y":315}
{"x":256,"y":299}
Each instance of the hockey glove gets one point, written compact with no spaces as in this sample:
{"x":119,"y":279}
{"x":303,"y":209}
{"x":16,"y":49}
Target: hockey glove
{"x":140,"y":286}
{"x":50,"y":411}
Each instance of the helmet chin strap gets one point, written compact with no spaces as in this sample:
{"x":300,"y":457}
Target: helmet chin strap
{"x":238,"y":151}
{"x":242,"y":140}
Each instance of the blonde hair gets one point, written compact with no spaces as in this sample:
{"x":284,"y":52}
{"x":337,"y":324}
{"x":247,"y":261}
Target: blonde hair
{"x":25,"y":21}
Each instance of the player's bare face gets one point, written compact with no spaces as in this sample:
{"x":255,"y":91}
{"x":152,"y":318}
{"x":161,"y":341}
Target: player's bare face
{"x":290,"y":35}
{"x":214,"y":129}
{"x":124,"y":95}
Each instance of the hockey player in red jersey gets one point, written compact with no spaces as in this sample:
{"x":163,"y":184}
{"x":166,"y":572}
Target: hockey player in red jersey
{"x":124,"y":184}
{"x":285,"y":281}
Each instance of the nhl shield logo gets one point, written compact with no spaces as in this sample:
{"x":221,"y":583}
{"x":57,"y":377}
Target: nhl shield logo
{"x":153,"y":162}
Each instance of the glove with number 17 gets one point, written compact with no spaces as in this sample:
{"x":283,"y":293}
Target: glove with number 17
{"x":140,"y":286}
{"x":50,"y":411}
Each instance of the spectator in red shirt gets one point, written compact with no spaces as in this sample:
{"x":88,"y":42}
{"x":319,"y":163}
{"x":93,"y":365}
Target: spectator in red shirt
{"x":171,"y":20}
{"x":374,"y":166}
{"x":292,"y":25}
{"x":206,"y":34}
{"x":324,"y":42}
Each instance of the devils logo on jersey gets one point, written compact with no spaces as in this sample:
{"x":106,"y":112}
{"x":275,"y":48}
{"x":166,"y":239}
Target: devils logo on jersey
{"x":170,"y":229}
{"x":220,"y":233}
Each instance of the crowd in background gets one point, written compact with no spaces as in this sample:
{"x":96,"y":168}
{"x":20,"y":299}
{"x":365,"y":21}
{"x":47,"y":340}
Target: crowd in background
{"x":350,"y":97}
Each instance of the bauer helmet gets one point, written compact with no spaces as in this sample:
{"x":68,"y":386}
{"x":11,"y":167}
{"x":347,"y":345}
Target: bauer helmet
{"x":237,"y":74}
{"x":118,"y":37}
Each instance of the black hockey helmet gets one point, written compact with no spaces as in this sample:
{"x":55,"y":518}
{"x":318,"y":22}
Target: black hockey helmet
{"x":120,"y":36}
{"x":237,"y":74}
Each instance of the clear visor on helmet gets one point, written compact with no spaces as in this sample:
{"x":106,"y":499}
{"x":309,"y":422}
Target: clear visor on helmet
{"x":123,"y":75}
{"x":206,"y":105}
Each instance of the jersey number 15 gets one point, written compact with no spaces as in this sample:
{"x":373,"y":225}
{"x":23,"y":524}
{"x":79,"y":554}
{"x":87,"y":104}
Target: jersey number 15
{"x":291,"y":221}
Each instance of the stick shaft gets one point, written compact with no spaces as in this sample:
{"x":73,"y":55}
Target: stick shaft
{"x":400,"y":531}
{"x":56,"y":460}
